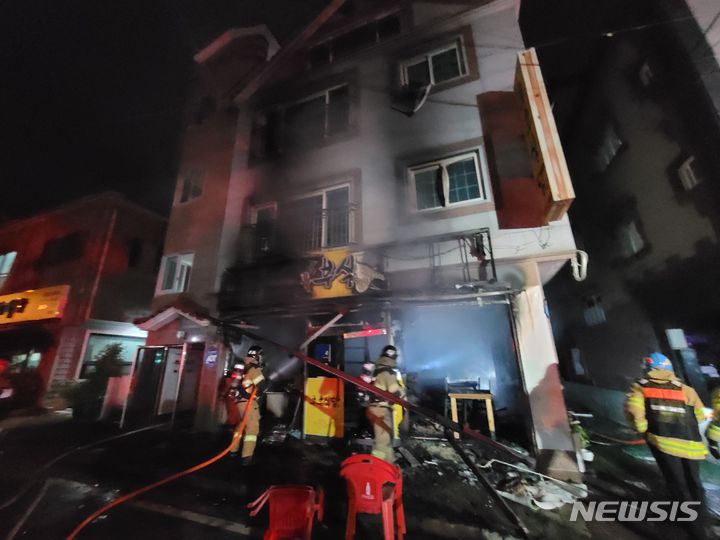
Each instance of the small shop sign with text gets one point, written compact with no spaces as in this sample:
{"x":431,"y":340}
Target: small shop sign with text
{"x":34,"y":305}
{"x":339,"y":273}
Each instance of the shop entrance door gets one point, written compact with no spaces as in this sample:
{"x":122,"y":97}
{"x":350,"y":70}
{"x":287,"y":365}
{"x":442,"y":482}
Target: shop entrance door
{"x":154,"y":387}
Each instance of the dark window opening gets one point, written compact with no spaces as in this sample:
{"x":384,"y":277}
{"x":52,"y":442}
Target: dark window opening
{"x":62,"y":250}
{"x":355,"y":40}
{"x":192,"y":186}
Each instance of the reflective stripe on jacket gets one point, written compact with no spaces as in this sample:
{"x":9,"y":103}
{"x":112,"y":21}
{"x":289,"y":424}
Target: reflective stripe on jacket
{"x":668,"y":412}
{"x":713,"y":431}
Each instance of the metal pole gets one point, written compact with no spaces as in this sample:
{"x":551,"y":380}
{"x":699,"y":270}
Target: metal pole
{"x":322,"y":329}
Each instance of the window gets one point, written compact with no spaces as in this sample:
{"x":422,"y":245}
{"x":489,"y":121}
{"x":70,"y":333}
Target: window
{"x":631,"y":239}
{"x":6,"y":263}
{"x":175,"y":273}
{"x":61,"y":250}
{"x":97,"y":344}
{"x":321,"y":220}
{"x":594,"y":313}
{"x":263,"y":220}
{"x":354,"y":40}
{"x":608,"y":148}
{"x":437,"y":66}
{"x":447,"y":182}
{"x":192,"y":185}
{"x":303,"y":123}
{"x":24,"y":361}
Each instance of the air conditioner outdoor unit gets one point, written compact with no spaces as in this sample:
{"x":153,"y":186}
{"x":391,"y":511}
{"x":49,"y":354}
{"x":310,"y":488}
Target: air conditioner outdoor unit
{"x":410,"y":98}
{"x":689,"y":177}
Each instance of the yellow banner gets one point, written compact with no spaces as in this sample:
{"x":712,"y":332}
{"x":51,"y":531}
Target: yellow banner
{"x":324,"y":407}
{"x":34,"y":305}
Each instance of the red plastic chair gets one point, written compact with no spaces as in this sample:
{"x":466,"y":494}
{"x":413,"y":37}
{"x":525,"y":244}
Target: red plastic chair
{"x":292,"y":511}
{"x":374,"y":487}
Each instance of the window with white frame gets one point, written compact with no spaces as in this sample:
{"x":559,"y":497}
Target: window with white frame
{"x":436,"y":66}
{"x":319,"y":220}
{"x":447,"y":182}
{"x":6,"y":263}
{"x":175,"y":273}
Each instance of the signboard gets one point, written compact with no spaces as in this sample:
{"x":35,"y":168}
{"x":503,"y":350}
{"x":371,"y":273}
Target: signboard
{"x":337,"y":273}
{"x":211,"y":355}
{"x":324,"y":407}
{"x":546,"y":154}
{"x":369,"y":332}
{"x":34,"y":305}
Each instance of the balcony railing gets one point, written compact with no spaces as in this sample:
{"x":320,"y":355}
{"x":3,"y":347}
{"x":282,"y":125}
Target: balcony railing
{"x":299,"y":235}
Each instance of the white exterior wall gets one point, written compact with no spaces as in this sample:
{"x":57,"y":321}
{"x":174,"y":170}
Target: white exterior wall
{"x":385,"y":136}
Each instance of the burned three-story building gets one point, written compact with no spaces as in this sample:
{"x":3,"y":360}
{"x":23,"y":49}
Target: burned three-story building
{"x":389,"y":175}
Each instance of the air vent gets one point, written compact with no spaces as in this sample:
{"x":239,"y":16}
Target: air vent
{"x":688,"y":174}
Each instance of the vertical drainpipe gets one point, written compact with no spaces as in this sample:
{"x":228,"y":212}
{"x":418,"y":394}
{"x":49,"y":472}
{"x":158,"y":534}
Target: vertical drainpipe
{"x":101,"y":266}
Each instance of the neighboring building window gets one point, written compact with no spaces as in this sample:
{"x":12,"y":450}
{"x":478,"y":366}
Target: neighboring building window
{"x":192,"y":185}
{"x":98,"y":343}
{"x":61,"y":250}
{"x":354,"y":40}
{"x":6,"y":263}
{"x":263,"y":221}
{"x":303,"y":123}
{"x":631,"y":239}
{"x":437,"y":66}
{"x":321,"y":220}
{"x":608,"y":149}
{"x":594,"y":313}
{"x":447,"y":182}
{"x":175,"y":273}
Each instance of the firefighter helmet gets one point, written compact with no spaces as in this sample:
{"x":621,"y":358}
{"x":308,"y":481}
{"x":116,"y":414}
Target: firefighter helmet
{"x":390,"y":351}
{"x":658,"y":360}
{"x":255,"y":352}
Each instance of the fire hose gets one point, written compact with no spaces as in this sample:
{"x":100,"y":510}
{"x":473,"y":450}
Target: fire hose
{"x":238,"y":432}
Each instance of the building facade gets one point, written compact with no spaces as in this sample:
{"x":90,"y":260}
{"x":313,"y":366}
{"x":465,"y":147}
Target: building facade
{"x":72,"y":280}
{"x":369,"y":182}
{"x":641,"y":139}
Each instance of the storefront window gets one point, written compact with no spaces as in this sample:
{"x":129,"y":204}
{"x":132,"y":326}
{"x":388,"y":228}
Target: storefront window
{"x":97,"y":343}
{"x":26,"y":360}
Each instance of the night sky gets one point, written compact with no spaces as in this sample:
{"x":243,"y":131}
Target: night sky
{"x":92,"y":91}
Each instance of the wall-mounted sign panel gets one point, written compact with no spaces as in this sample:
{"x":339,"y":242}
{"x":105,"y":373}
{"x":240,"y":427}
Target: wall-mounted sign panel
{"x":34,"y":305}
{"x":338,"y":273}
{"x":546,"y":153}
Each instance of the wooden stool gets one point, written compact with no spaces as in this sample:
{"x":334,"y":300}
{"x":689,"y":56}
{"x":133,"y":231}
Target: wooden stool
{"x":482,"y":396}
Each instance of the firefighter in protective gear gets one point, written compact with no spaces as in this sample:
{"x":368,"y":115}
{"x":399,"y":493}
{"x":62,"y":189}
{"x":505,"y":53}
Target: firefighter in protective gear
{"x":230,"y":392}
{"x":713,"y":430}
{"x":252,"y":376}
{"x":380,"y":413}
{"x":667,"y":412}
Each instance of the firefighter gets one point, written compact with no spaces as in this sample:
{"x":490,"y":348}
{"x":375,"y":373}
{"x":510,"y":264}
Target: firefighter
{"x":713,"y":431}
{"x":380,"y":413}
{"x":252,"y":376}
{"x":666,"y":412}
{"x":229,"y":390}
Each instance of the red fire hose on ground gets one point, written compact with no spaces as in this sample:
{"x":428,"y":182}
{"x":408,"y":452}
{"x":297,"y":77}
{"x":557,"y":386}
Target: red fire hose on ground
{"x":432,"y":415}
{"x":238,"y":433}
